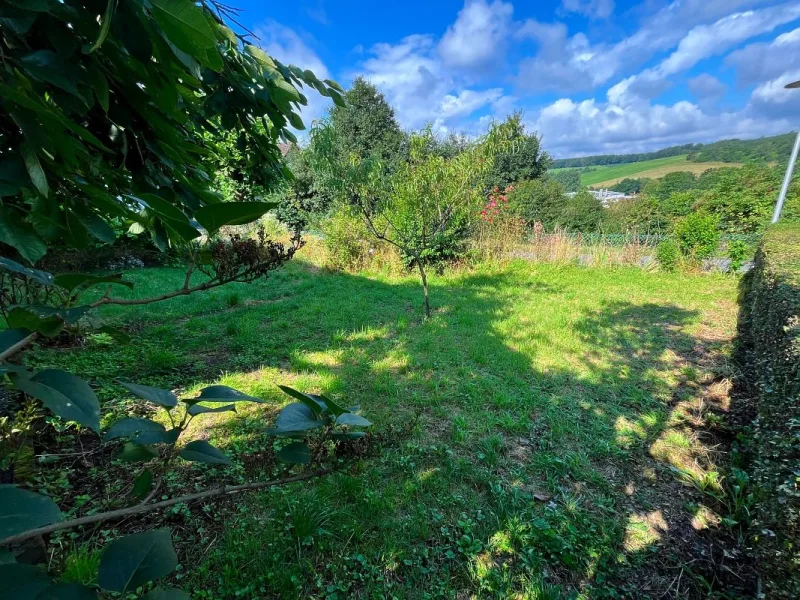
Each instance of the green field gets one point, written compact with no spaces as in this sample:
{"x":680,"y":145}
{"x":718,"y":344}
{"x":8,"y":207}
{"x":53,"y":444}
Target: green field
{"x":545,"y":407}
{"x":607,"y":175}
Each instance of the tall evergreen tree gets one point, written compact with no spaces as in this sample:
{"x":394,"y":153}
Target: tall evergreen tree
{"x":366,"y":125}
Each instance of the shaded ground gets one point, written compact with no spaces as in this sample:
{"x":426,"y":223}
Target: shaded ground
{"x":562,"y":413}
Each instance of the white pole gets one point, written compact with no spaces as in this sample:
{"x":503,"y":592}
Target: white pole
{"x":787,"y":179}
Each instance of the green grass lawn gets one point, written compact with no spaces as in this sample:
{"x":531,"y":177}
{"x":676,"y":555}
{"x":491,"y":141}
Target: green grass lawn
{"x":550,"y":401}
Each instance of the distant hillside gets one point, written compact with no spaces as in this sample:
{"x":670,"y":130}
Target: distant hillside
{"x":767,"y":149}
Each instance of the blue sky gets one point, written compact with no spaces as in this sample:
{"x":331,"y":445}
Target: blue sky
{"x":590,"y":76}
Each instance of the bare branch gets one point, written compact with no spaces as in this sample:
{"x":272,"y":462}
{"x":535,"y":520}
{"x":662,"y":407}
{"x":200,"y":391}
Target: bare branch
{"x":23,"y":343}
{"x":143,"y":508}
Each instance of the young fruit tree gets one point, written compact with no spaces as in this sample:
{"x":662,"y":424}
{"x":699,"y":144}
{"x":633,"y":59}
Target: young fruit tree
{"x":111,"y":120}
{"x":426,"y":206}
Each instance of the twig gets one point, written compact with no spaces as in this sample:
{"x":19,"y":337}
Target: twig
{"x":143,"y":508}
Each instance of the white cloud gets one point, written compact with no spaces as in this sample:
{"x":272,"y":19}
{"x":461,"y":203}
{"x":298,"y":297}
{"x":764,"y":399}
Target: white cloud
{"x":580,"y":128}
{"x":705,"y":41}
{"x":572,"y":63}
{"x":706,"y":86}
{"x":288,"y":47}
{"x":422,"y":88}
{"x":594,"y":9}
{"x":764,"y":61}
{"x":478,"y":37}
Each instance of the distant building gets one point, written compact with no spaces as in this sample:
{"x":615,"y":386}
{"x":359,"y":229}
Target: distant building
{"x":606,"y":196}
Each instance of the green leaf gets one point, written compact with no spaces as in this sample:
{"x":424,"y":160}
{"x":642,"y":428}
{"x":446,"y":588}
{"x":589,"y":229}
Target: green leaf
{"x":197,"y":409}
{"x":332,"y":406}
{"x":156,"y":395}
{"x":42,"y":277}
{"x":133,"y":453}
{"x":295,"y":453}
{"x":20,"y":235}
{"x":134,"y":560}
{"x":202,"y":451}
{"x":352,"y":420}
{"x":185,"y":25}
{"x":22,"y":582}
{"x":214,"y":216}
{"x":104,"y":27}
{"x":99,"y":86}
{"x":67,"y":396}
{"x":142,"y":484}
{"x":223,"y":393}
{"x":296,"y":121}
{"x":130,"y":426}
{"x":262,"y":57}
{"x":294,"y":418}
{"x":166,"y":594}
{"x":21,"y":510}
{"x":317,"y":406}
{"x":24,"y":318}
{"x":9,"y":337}
{"x":72,"y":281}
{"x":148,"y":438}
{"x":68,"y":591}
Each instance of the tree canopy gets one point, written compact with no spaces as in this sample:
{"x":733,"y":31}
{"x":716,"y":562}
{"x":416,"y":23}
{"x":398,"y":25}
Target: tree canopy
{"x":109,"y":112}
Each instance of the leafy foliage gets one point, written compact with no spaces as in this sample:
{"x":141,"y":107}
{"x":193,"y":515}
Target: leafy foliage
{"x":768,"y":348}
{"x":522,"y":160}
{"x":365,"y":125}
{"x":668,"y":254}
{"x":93,"y":133}
{"x":697,"y":235}
{"x":570,"y":179}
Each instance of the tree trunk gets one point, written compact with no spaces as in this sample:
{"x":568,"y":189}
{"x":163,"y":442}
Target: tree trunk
{"x":424,"y":288}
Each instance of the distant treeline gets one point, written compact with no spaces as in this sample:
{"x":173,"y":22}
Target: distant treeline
{"x":768,"y":149}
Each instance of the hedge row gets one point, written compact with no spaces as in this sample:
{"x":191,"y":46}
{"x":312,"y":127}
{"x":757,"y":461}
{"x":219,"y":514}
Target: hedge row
{"x":769,"y":351}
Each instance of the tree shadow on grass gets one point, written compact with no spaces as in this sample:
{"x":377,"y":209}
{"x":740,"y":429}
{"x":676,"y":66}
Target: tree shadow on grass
{"x":549,"y":426}
{"x":551,"y":443}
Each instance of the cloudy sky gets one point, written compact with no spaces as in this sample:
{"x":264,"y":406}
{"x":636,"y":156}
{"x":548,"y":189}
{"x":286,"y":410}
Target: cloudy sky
{"x":589,"y":75}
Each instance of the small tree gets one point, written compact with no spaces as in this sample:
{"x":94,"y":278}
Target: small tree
{"x":426,"y":205}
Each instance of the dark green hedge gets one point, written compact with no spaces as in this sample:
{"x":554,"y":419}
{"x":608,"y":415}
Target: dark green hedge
{"x":769,"y":352}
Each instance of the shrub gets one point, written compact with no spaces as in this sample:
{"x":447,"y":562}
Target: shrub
{"x":538,"y":200}
{"x":697,"y":235}
{"x":768,"y":348}
{"x":738,"y":251}
{"x":346,"y":241}
{"x":668,"y":255}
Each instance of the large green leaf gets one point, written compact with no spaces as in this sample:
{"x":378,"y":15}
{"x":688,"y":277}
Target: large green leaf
{"x":20,"y":235}
{"x":24,"y":318}
{"x":9,"y":337}
{"x":202,"y":451}
{"x":198,"y":409}
{"x":223,"y":393}
{"x":317,"y":406}
{"x":67,"y":396}
{"x":35,"y":171}
{"x":129,"y":562}
{"x":41,"y":277}
{"x":153,"y":394}
{"x":21,"y":510}
{"x":352,"y":420}
{"x":214,"y":216}
{"x":142,"y":484}
{"x":104,"y":27}
{"x":134,"y":453}
{"x":166,"y":594}
{"x":185,"y":25}
{"x":148,"y":438}
{"x":67,"y":591}
{"x":22,"y":582}
{"x":296,"y":453}
{"x":294,"y":418}
{"x":130,"y":426}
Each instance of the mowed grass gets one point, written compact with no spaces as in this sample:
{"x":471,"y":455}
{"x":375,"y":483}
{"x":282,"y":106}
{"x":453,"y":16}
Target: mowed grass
{"x":550,"y":403}
{"x":608,"y":175}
